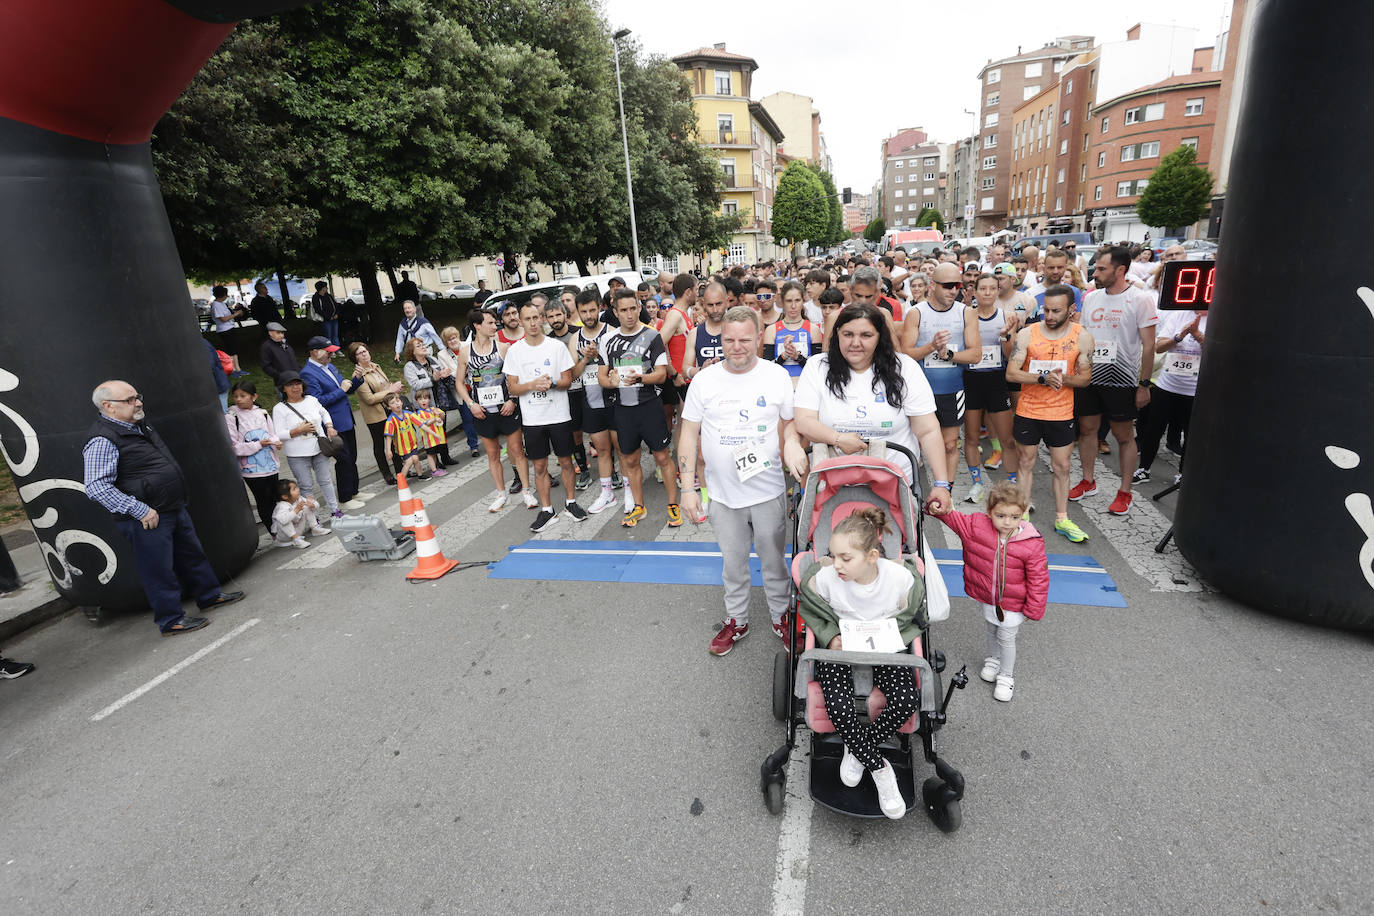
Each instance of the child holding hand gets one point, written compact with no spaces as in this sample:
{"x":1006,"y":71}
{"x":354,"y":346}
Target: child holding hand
{"x":856,"y":583}
{"x":429,"y":427}
{"x":293,"y":516}
{"x":402,"y":438}
{"x":1007,"y":572}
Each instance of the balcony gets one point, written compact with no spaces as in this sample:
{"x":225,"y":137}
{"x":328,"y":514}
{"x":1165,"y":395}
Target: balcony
{"x":731,"y":138}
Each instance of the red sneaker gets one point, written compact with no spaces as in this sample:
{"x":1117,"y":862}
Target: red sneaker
{"x":1083,"y":488}
{"x":730,"y":633}
{"x":1122,"y":504}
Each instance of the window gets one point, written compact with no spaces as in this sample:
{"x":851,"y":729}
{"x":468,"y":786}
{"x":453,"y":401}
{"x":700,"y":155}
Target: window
{"x":993,"y":98}
{"x":1092,"y":78}
{"x":729,"y":207}
{"x":727,"y":168}
{"x":897,"y":178}
{"x":1058,"y":65}
{"x":1085,"y":142}
{"x":1066,"y":115}
{"x":722,"y":82}
{"x":1034,"y":70}
{"x":930,"y":176}
{"x":1106,"y":122}
{"x":985,"y":203}
{"x":897,"y":208}
{"x":898,"y":193}
{"x":1068,"y":88}
{"x":990,"y":120}
{"x":1192,"y":108}
{"x":1059,"y":203}
{"x":930,"y":161}
{"x":1102,"y":159}
{"x":898,"y":163}
{"x":444,"y":275}
{"x":989,"y":162}
{"x":989,"y":183}
{"x":1097,"y":193}
{"x":1080,"y":201}
{"x":1147,"y":150}
{"x":1083,"y":172}
{"x":481,"y":271}
{"x":1189,"y":141}
{"x":1063,"y":147}
{"x":1131,"y":188}
{"x":758,"y":211}
{"x":736,"y":255}
{"x":928,"y":203}
{"x":1029,"y":92}
{"x":1145,"y":113}
{"x":725,"y":127}
{"x":994,"y":76}
{"x":988,"y":143}
{"x":1059,"y":178}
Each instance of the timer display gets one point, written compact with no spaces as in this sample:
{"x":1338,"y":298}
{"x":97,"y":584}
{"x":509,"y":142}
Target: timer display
{"x":1188,"y":285}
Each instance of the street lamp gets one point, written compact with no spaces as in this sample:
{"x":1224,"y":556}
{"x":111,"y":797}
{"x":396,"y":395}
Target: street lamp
{"x":968,"y":163}
{"x":625,"y":140}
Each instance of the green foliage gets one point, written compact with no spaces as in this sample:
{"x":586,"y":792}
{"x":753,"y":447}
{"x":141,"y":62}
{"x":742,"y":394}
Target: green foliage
{"x":834,"y":227}
{"x":1178,"y":193}
{"x":931,"y":217}
{"x":799,"y":207}
{"x":874,"y":231}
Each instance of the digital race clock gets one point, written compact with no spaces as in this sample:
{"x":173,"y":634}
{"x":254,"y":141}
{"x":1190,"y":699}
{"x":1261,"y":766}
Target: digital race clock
{"x":1187,"y":285}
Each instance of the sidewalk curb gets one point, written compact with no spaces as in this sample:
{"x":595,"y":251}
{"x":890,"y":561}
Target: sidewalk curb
{"x":49,"y":610}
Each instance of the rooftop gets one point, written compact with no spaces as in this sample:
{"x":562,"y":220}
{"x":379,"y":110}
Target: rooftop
{"x":716,"y":53}
{"x":1212,"y":78}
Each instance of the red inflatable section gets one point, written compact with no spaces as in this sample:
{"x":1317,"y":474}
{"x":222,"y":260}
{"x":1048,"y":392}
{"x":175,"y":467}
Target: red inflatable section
{"x":120,"y":66}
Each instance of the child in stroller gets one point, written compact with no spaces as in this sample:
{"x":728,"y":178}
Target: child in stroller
{"x":857,"y":583}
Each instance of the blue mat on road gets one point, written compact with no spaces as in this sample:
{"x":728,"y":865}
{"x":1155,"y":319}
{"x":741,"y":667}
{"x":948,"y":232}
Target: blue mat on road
{"x":1073,"y":579}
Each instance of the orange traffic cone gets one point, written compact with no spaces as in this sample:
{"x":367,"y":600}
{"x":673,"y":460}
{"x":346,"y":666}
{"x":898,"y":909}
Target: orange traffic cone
{"x":408,"y":503}
{"x":430,"y":562}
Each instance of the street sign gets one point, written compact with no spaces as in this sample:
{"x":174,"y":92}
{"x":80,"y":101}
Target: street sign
{"x":968,"y":211}
{"x":500,"y":261}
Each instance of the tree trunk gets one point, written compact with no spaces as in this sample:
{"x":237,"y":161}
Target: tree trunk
{"x":372,"y":295}
{"x":583,"y":268}
{"x":391,"y":276}
{"x":288,"y":308}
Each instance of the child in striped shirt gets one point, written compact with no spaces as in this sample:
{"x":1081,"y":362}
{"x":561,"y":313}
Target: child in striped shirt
{"x":429,"y":425}
{"x":402,"y":439}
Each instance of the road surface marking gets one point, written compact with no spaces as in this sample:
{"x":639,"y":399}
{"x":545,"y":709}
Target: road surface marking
{"x":793,"y":864}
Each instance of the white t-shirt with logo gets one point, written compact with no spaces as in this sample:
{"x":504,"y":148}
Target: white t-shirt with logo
{"x":740,"y":413}
{"x":1182,"y":363}
{"x":864,"y":412}
{"x":885,"y":596}
{"x":550,"y":357}
{"x":1115,"y":322}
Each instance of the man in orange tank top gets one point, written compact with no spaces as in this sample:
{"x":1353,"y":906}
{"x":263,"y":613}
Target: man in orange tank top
{"x":1051,"y":358}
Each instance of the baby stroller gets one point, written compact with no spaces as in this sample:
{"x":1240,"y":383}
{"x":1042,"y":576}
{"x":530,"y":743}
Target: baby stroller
{"x":836,"y":487}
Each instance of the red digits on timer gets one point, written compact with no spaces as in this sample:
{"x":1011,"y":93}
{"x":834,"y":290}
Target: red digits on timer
{"x":1207,"y":290}
{"x":1185,"y":293}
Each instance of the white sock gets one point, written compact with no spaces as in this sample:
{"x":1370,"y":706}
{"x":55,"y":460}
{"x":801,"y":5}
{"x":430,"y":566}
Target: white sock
{"x":548,"y":509}
{"x":606,"y":485}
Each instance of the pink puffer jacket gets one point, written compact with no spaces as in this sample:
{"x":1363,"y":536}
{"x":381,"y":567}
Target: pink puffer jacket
{"x":1017,"y":575}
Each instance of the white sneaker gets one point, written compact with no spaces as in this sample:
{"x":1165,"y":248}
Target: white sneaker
{"x":531,"y":501}
{"x":319,"y":529}
{"x":990,"y":668}
{"x":301,"y":543}
{"x":602,"y":502}
{"x":975,"y":493}
{"x":354,"y":504}
{"x":851,"y":770}
{"x":1004,"y":688}
{"x":629,"y":501}
{"x":499,"y":502}
{"x":889,"y":796}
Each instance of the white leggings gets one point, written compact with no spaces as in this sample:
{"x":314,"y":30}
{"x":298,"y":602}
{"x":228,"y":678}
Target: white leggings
{"x":1002,"y":644}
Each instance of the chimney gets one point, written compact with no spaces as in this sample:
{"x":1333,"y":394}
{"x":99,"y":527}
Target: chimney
{"x":720,"y":46}
{"x":1018,"y":49}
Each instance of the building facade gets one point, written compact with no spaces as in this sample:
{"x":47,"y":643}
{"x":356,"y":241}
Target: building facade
{"x":1036,"y":187}
{"x":915,"y":174}
{"x":744,"y":139}
{"x":800,"y":122}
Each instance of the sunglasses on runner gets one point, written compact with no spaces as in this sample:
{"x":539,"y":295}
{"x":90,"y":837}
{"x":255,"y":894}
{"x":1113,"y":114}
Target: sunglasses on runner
{"x":955,"y":284}
{"x":764,"y":297}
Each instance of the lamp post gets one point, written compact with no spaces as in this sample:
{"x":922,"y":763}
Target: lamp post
{"x":968,"y":222}
{"x":625,"y":140}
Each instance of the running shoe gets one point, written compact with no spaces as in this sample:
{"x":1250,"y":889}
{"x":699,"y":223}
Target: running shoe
{"x":577,"y":512}
{"x":616,"y":480}
{"x":319,"y":529}
{"x":730,"y":633}
{"x":515,"y":485}
{"x":11,"y":669}
{"x":601,"y":503}
{"x":440,"y":472}
{"x":674,"y":515}
{"x":1140,"y":476}
{"x":475,"y":453}
{"x":499,"y":502}
{"x":633,"y":516}
{"x":780,"y":630}
{"x":1083,"y":488}
{"x":584,"y":479}
{"x":531,"y":501}
{"x":544,"y":519}
{"x":1122,"y":504}
{"x":995,"y":461}
{"x":1003,"y":690}
{"x":1103,"y":448}
{"x":975,"y":493}
{"x":1070,"y":530}
{"x":302,"y":543}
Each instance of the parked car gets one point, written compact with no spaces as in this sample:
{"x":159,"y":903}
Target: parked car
{"x":1084,"y":240}
{"x":1159,"y":245}
{"x":460,"y":291}
{"x":1200,"y":249}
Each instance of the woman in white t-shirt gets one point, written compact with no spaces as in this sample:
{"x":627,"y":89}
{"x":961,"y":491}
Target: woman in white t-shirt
{"x":861,"y":389}
{"x":1179,"y":337}
{"x":304,"y":419}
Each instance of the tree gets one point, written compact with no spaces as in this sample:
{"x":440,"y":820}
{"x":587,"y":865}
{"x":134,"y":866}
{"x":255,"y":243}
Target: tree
{"x":930,"y":217}
{"x":875,"y":230}
{"x":1178,"y":193}
{"x":834,"y":229}
{"x":799,"y":208}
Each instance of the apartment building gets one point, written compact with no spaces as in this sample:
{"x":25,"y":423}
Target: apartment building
{"x":745,"y":140}
{"x":1036,"y":188}
{"x":800,"y":121}
{"x":915,"y":173}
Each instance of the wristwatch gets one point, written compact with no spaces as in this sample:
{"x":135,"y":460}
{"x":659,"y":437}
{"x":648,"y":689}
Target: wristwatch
{"x":1040,"y":379}
{"x":1144,"y":384}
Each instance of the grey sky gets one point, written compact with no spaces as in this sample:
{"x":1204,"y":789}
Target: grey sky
{"x":875,"y":68}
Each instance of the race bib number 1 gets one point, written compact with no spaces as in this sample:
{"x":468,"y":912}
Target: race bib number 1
{"x":870,"y":635}
{"x":749,"y":461}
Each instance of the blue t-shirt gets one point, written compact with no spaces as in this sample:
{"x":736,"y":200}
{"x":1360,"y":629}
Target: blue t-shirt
{"x":1040,"y":304}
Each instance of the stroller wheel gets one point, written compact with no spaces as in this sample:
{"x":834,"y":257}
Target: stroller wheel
{"x":773,"y":796}
{"x":782,"y":684}
{"x":941,"y":805}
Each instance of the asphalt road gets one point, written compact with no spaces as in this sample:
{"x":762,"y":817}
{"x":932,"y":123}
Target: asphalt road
{"x":490,"y":746}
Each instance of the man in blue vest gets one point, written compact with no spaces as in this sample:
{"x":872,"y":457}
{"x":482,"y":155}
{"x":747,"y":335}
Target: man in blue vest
{"x":331,"y":389}
{"x":130,"y":472}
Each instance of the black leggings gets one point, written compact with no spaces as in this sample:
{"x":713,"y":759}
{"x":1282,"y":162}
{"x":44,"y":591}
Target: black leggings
{"x":378,"y":431}
{"x":1166,"y":408}
{"x":264,"y":490}
{"x":898,"y":686}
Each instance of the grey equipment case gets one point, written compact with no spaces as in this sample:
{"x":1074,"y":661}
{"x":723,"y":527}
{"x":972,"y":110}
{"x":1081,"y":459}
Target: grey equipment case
{"x":368,"y":537}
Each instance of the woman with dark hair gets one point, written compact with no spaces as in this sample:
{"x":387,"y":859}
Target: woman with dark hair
{"x":373,"y":389}
{"x":861,"y":388}
{"x":423,"y":372}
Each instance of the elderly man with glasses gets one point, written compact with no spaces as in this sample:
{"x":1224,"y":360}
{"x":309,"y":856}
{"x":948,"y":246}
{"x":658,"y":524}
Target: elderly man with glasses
{"x":132,"y":474}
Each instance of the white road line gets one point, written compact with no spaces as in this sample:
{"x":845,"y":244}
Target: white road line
{"x":128,"y":698}
{"x":793,"y":864}
{"x":596,"y":551}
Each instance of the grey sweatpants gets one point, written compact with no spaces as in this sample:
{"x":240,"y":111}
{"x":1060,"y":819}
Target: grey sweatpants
{"x":765,"y":526}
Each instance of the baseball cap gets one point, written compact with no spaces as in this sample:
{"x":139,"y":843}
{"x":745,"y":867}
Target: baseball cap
{"x":1006,"y":268}
{"x":287,"y":377}
{"x":320,"y":343}
{"x":274,"y":326}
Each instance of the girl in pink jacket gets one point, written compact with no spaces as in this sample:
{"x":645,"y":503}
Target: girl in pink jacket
{"x":1005,"y":570}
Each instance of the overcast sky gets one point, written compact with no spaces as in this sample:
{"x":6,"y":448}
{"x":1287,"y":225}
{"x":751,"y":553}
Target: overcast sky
{"x":917,"y":68}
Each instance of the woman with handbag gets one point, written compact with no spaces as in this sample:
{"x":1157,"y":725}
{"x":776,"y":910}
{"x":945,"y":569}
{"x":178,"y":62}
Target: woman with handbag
{"x":449,"y":356}
{"x":425,"y":373}
{"x":309,"y":441}
{"x":372,"y":391}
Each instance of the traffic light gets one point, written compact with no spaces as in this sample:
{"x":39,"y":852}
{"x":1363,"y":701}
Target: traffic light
{"x":848,"y":196}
